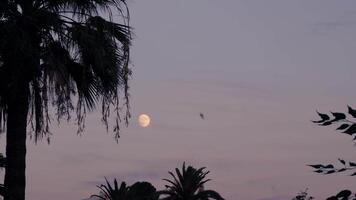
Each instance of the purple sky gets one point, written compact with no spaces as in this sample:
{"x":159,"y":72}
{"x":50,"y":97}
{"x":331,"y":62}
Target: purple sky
{"x":258,"y":70}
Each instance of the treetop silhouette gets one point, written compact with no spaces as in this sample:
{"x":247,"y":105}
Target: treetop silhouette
{"x":188,"y":184}
{"x":56,"y":50}
{"x":66,"y":53}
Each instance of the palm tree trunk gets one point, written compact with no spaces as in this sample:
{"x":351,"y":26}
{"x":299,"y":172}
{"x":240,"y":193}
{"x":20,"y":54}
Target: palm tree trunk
{"x":15,"y":180}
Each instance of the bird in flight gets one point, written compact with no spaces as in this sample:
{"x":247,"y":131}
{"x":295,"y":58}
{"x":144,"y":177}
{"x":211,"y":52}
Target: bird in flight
{"x":201,"y":115}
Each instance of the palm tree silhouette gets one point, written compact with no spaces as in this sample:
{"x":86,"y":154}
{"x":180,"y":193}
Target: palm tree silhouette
{"x":59,"y":52}
{"x":188,"y":184}
{"x":138,"y":191}
{"x":108,"y":192}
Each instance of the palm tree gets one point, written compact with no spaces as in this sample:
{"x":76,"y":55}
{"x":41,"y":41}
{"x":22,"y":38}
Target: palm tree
{"x":188,"y":184}
{"x":108,"y":192}
{"x":59,"y":52}
{"x":138,"y":191}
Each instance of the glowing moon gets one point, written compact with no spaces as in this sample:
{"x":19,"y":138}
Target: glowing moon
{"x":144,"y":120}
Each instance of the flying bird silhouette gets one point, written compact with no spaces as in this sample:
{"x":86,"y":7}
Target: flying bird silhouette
{"x":201,"y":115}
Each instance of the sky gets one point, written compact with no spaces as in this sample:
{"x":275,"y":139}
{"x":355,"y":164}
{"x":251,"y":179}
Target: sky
{"x":257,"y":69}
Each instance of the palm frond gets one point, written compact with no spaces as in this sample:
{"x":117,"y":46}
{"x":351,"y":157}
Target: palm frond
{"x":209,"y":194}
{"x":84,"y":8}
{"x":6,"y":8}
{"x":187,"y":184}
{"x":65,"y":49}
{"x":100,"y":52}
{"x":113,"y":193}
{"x":48,"y":20}
{"x":118,"y":31}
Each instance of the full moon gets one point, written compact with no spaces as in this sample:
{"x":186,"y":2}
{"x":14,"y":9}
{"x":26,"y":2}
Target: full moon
{"x":144,"y":120}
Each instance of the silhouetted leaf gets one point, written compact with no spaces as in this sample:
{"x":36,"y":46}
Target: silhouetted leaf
{"x":342,"y":161}
{"x":330,"y":172}
{"x":353,"y":174}
{"x":329,"y":166}
{"x":351,"y":111}
{"x":338,"y":116}
{"x":318,"y":121}
{"x":319,"y":171}
{"x":324,"y":117}
{"x":343,"y":126}
{"x":332,"y":198}
{"x":341,"y":170}
{"x":351,"y":130}
{"x":327,"y":123}
{"x":352,"y":164}
{"x":344,"y":194}
{"x":317,"y":166}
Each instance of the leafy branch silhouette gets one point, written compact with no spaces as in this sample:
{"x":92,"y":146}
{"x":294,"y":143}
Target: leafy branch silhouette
{"x":330,"y":169}
{"x":346,"y":126}
{"x":343,"y":195}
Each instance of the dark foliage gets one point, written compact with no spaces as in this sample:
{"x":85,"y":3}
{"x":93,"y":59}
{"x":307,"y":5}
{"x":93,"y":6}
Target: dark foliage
{"x":343,"y":195}
{"x":303,"y":195}
{"x":188,"y":184}
{"x":346,"y":126}
{"x":330,"y":168}
{"x":138,"y":191}
{"x":65,"y":54}
{"x":143,"y":191}
{"x":69,"y":53}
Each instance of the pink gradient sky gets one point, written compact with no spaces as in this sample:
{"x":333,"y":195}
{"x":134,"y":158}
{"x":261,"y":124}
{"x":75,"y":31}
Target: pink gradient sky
{"x":257,"y":69}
